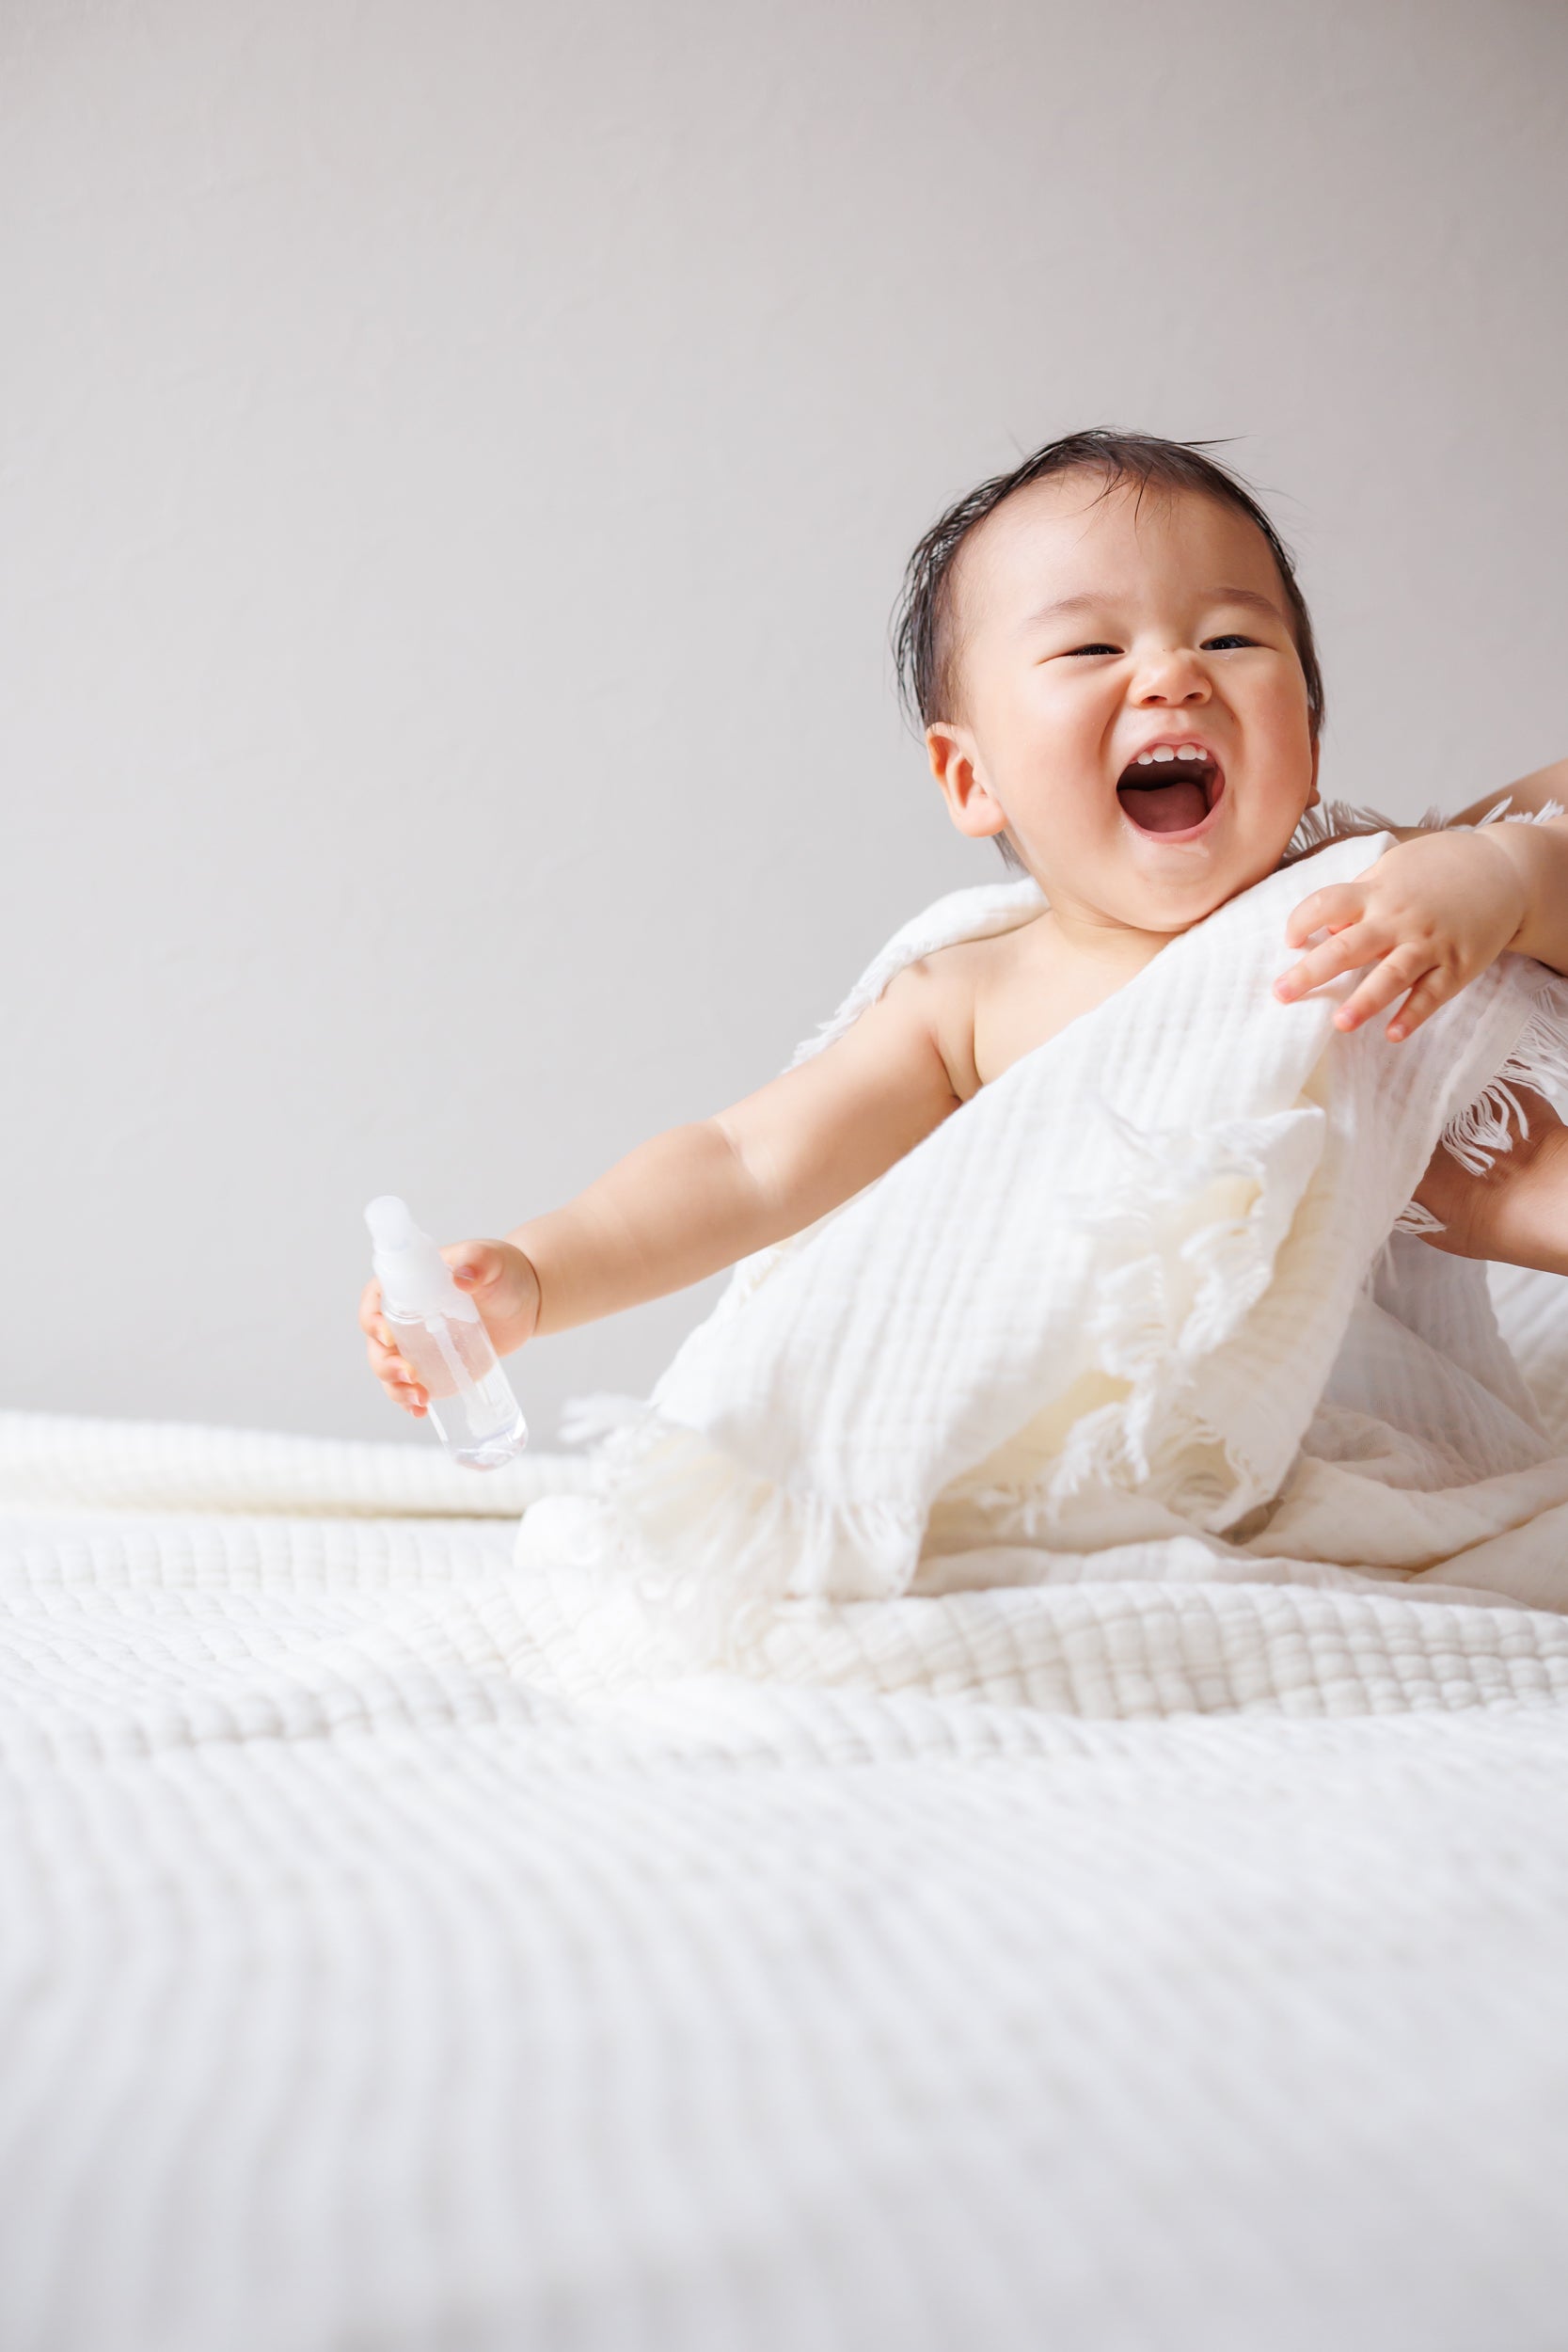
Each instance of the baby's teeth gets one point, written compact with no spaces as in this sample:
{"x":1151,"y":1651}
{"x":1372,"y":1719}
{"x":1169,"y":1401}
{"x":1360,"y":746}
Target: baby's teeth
{"x":1165,"y":752}
{"x":1145,"y":759}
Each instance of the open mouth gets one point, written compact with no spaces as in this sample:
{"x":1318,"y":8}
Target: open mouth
{"x":1171,"y":791}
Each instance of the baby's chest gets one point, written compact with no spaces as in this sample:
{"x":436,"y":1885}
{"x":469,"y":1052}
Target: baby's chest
{"x":1020,"y":1008}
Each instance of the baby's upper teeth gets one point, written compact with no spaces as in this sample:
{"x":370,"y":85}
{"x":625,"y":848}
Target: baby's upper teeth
{"x":1167,"y":751}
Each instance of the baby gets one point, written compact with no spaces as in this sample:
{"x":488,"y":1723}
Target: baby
{"x":1116,"y":675}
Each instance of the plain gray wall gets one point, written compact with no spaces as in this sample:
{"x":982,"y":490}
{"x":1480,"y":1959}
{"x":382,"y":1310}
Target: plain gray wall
{"x":458,"y":461}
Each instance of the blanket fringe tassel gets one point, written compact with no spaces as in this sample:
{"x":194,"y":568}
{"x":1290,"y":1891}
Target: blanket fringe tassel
{"x":1477,"y":1134}
{"x":718,"y":1546}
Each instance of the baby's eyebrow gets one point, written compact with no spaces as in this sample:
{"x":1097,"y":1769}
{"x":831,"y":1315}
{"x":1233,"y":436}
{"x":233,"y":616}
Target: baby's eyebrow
{"x":1247,"y":596}
{"x":1090,"y":601}
{"x":1096,"y":600}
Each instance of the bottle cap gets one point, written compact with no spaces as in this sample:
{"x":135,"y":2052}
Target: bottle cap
{"x":414,"y":1278}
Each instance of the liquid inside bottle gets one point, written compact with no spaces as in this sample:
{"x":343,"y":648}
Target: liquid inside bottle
{"x":470,"y":1397}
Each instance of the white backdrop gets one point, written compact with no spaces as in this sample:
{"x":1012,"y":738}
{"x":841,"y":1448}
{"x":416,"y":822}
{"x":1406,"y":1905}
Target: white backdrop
{"x":458,"y":464}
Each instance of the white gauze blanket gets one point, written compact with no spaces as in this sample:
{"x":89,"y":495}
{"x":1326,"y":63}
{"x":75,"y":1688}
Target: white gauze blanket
{"x":1133,"y":1311}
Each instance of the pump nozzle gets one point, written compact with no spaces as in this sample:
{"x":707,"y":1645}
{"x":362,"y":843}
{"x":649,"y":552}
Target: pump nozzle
{"x":391,"y":1224}
{"x":415,"y":1278}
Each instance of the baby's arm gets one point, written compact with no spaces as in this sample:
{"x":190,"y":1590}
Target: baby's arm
{"x":1516,"y":1213}
{"x":1434,"y":911}
{"x":698,"y":1198}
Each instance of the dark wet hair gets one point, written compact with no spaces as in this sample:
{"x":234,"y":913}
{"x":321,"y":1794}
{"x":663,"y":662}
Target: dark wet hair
{"x":923,"y":633}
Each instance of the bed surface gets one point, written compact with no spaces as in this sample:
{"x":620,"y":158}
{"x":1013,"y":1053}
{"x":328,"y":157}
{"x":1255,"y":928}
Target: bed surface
{"x":368,"y":1981}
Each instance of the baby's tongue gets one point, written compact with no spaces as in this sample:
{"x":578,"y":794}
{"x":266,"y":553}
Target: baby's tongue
{"x":1163,"y":807}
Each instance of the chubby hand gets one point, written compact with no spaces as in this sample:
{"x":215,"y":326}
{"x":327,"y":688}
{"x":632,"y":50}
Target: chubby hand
{"x":503,"y":1286}
{"x":1428,"y":917}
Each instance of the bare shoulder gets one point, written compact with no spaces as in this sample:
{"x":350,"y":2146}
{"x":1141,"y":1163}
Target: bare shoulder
{"x":949,"y":987}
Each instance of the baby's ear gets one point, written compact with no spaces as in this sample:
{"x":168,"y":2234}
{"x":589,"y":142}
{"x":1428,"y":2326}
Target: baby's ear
{"x":954,"y":764}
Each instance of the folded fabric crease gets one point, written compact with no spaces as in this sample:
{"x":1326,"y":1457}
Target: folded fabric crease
{"x":1136,"y":1286}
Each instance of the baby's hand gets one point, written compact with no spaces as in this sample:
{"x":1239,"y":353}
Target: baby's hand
{"x":1429,"y":917}
{"x":503,"y":1286}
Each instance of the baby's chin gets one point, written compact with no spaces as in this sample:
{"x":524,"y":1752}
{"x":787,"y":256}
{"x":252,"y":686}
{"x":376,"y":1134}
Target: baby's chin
{"x":1166,"y":878}
{"x":1169,"y":889}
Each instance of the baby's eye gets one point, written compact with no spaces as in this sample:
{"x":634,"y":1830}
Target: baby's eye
{"x":1216,"y":645}
{"x":1077,"y":649}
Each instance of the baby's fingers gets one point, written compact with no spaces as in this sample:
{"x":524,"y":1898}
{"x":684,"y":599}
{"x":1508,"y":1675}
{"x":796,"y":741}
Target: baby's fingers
{"x":1331,"y":910}
{"x":1396,"y":975}
{"x":378,"y":1337}
{"x":397,"y":1376}
{"x":1345,"y":952}
{"x":1432,"y":988}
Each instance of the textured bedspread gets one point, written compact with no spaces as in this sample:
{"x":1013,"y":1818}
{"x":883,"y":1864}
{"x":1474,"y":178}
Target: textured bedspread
{"x":1187,"y":1966}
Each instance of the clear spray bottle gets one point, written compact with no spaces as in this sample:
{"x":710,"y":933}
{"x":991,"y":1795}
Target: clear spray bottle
{"x":437,"y":1329}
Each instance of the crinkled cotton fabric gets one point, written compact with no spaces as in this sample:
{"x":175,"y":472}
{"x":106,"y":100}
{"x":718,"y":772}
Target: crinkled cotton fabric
{"x":1140,"y":1307}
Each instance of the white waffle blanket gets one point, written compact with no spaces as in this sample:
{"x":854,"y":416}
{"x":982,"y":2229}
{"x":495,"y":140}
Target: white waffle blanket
{"x":1132,"y":1313}
{"x":1162,"y":1948}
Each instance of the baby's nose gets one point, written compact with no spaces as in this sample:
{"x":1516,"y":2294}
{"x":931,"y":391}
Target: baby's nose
{"x":1174,"y":677}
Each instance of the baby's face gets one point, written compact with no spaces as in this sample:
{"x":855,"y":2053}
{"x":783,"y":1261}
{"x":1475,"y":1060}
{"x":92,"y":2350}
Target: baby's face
{"x":1090,"y":634}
